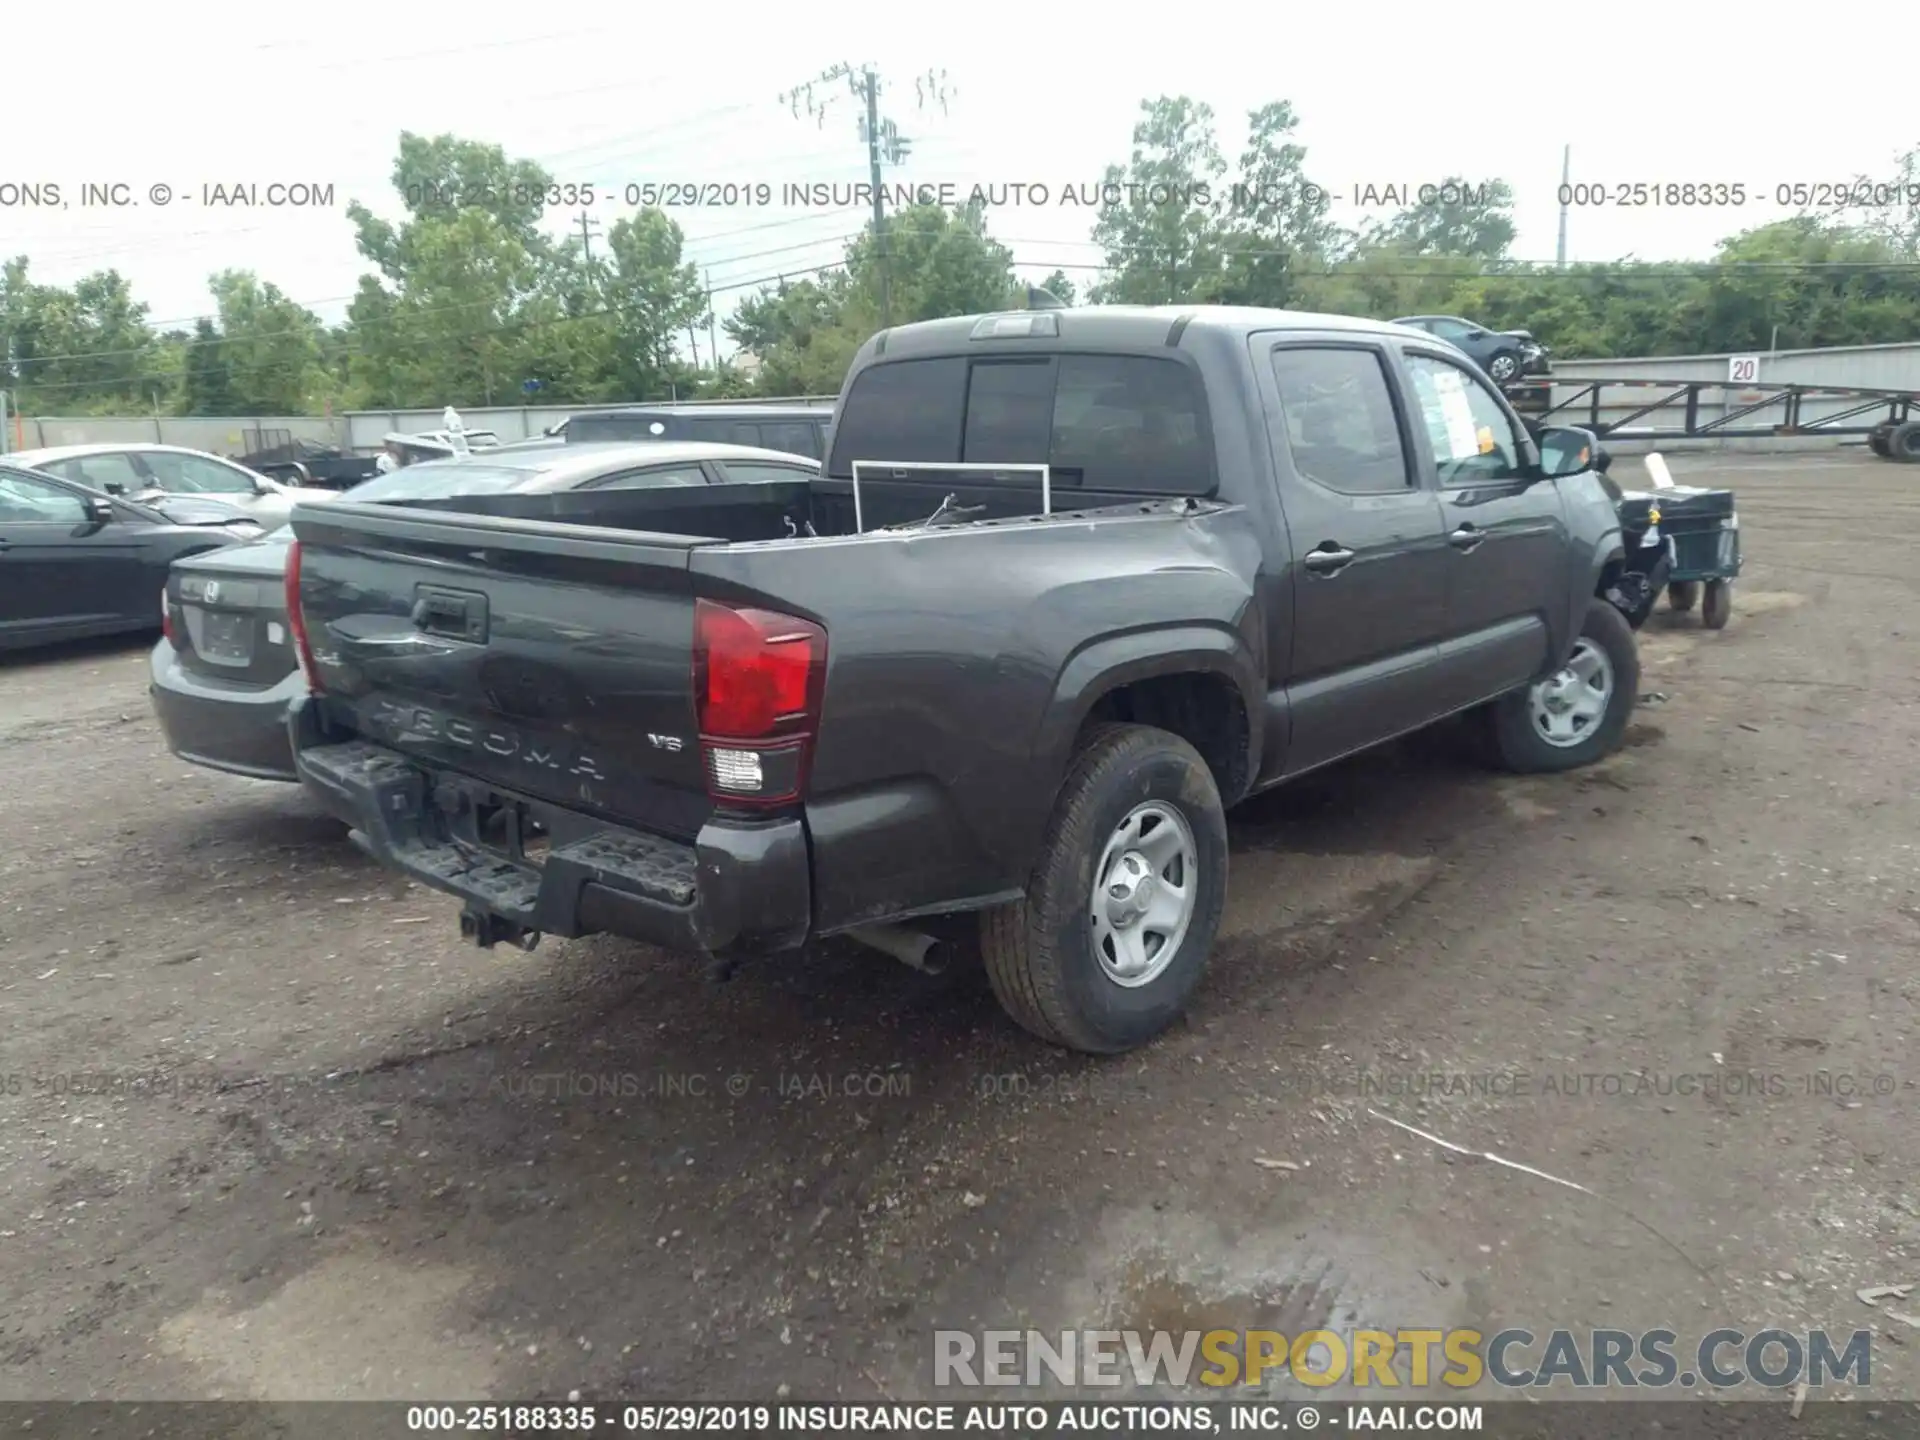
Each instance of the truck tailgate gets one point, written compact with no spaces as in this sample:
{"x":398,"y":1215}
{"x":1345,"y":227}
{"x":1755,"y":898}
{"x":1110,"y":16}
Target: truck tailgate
{"x":552,"y":661}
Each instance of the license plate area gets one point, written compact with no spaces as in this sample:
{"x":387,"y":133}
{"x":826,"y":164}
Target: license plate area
{"x":493,"y":823}
{"x":221,"y":637}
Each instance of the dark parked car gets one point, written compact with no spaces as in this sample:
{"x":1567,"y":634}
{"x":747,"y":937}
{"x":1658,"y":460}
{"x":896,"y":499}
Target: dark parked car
{"x":1265,"y":541}
{"x":1506,"y":355}
{"x":220,"y":684}
{"x":75,"y":563}
{"x":799,"y":429}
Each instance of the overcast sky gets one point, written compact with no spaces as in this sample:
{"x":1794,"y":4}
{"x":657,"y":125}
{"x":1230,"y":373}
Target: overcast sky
{"x":1387,"y":95}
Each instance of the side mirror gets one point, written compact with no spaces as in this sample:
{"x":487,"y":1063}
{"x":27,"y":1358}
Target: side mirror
{"x":1602,"y":458}
{"x":99,"y":510}
{"x":113,"y":487}
{"x":1567,"y":450}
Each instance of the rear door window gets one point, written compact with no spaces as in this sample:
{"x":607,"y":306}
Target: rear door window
{"x":113,"y":472}
{"x":1341,"y":428}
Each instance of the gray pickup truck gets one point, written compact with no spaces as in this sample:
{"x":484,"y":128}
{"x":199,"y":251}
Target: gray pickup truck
{"x":1073,"y":583}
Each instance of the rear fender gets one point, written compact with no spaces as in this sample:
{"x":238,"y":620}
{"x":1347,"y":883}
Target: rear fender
{"x":1114,"y":661}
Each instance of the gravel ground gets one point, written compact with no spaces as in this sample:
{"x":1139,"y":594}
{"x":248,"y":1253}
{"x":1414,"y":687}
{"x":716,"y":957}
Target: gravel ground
{"x":271,"y":1130}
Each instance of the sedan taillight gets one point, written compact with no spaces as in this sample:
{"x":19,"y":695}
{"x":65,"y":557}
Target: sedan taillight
{"x":297,"y":621}
{"x":166,"y":618}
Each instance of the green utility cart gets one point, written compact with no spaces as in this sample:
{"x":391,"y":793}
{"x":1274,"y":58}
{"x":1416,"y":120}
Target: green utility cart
{"x":1702,"y":531}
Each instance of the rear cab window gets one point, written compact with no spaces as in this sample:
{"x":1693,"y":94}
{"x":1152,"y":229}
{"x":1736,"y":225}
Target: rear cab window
{"x":1114,"y":423}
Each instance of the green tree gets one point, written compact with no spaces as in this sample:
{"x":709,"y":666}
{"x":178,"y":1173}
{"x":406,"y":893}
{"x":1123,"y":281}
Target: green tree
{"x":940,"y":262}
{"x":1456,"y":217}
{"x":271,"y":357}
{"x":1162,"y":238}
{"x":461,"y":278}
{"x":1061,"y":288}
{"x":84,"y":350}
{"x":1892,"y":212}
{"x":1275,"y":221}
{"x":208,"y":388}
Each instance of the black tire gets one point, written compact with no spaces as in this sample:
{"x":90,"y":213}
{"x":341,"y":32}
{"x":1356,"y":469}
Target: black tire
{"x":1716,"y":606}
{"x":1877,"y":440}
{"x":1039,"y":952}
{"x":1519,"y":747}
{"x":1505,"y":360}
{"x":1683,"y":595}
{"x":1903,"y":443}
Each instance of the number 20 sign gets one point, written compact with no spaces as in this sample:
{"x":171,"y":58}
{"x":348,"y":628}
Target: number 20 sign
{"x":1743,"y":369}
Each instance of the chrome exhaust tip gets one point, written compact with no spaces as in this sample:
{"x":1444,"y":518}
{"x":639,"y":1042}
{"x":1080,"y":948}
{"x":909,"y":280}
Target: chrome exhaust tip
{"x":913,"y":948}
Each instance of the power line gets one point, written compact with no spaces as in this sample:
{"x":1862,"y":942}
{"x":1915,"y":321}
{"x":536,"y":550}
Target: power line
{"x":883,"y":139}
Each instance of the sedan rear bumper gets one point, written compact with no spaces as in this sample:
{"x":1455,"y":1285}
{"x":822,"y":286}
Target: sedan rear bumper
{"x":223,"y":726}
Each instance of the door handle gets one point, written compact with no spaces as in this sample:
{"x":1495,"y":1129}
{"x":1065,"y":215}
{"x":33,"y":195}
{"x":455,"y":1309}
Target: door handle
{"x":1467,"y":538}
{"x":1329,"y":559}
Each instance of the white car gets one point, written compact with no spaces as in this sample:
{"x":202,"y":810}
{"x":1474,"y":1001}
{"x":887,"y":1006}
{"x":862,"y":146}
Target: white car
{"x":145,"y":472}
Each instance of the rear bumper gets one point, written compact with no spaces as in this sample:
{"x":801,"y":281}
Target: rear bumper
{"x":224,"y":727}
{"x":739,"y":888}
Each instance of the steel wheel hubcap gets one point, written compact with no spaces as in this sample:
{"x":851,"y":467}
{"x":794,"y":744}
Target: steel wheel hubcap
{"x":1144,"y":892}
{"x":1503,"y":367}
{"x":1568,"y":706}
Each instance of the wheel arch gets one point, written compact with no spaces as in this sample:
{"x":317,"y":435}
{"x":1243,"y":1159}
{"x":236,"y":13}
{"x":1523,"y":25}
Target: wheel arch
{"x":1198,"y":681}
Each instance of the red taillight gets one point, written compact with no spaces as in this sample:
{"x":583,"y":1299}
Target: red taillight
{"x":297,"y":622}
{"x":166,"y":618}
{"x":757,"y":680}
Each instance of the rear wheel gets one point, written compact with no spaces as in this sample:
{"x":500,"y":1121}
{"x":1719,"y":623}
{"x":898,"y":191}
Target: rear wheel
{"x":1717,"y":607}
{"x":1904,"y":442}
{"x":1578,"y":714}
{"x":1683,"y":595}
{"x":1125,"y":898}
{"x":1877,"y":439}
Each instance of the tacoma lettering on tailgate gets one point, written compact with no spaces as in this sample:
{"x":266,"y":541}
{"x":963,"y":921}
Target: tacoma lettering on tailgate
{"x":401,"y":723}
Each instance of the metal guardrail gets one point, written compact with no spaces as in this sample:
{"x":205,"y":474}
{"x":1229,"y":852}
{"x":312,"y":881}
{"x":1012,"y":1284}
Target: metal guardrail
{"x":1897,"y":407}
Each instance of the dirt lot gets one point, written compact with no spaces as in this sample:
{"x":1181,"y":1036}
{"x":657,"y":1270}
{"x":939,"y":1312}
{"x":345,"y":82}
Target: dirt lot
{"x":271,"y":1130}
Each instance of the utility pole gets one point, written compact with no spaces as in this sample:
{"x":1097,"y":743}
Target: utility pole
{"x":1566,"y":180}
{"x":871,"y":84}
{"x":713,"y":326}
{"x":586,"y":245}
{"x":884,"y":142}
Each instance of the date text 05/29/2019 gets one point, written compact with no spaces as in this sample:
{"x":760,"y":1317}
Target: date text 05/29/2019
{"x":893,"y":1418}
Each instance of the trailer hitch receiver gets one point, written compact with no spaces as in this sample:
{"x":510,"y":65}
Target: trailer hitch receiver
{"x":487,"y":930}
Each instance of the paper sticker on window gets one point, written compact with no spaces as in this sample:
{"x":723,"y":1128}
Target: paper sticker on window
{"x":1457,"y":410}
{"x":1486,"y":439}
